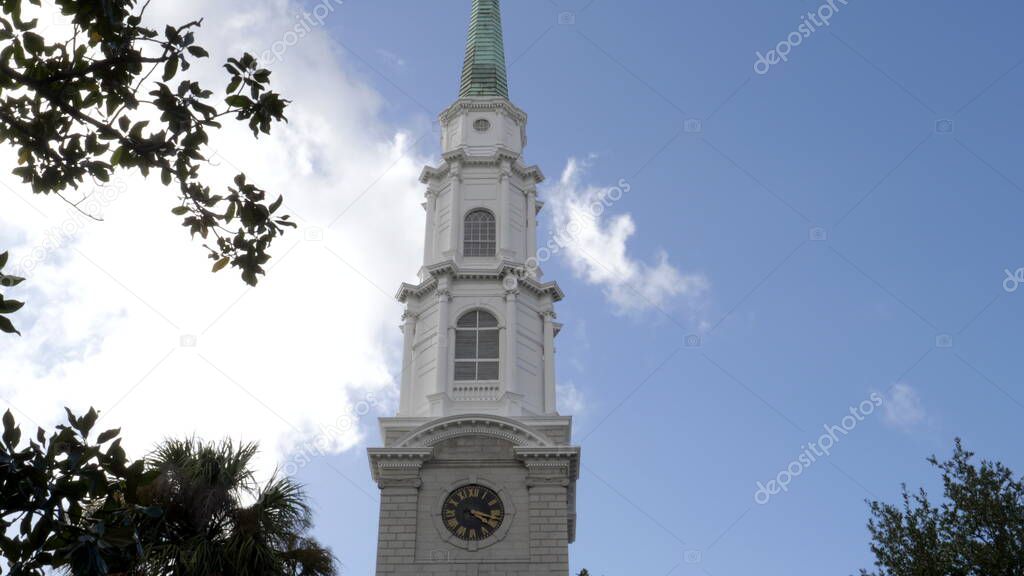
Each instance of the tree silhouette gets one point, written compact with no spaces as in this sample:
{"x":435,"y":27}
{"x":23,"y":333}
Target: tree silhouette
{"x":978,"y":530}
{"x":113,"y":95}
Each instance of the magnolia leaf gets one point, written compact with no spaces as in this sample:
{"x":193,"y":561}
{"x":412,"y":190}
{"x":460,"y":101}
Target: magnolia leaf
{"x":276,"y":204}
{"x":221,"y":264}
{"x":170,"y":68}
{"x":238,"y":101}
{"x":115,"y":158}
{"x":10,"y":306}
{"x":7,"y":326}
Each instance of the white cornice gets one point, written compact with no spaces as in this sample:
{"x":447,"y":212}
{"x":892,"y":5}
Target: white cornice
{"x":553,"y":456}
{"x":501,"y":154}
{"x":451,"y":269}
{"x":483,"y":104}
{"x":406,"y":462}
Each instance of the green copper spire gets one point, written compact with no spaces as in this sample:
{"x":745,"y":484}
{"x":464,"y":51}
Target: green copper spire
{"x":484,"y":71}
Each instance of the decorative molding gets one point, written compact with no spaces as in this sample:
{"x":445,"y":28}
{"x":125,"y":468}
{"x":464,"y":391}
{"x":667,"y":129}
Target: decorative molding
{"x":406,"y":289}
{"x":483,"y":105}
{"x":550,"y":466}
{"x":476,"y":392}
{"x":398,"y":467}
{"x":510,"y":281}
{"x":443,"y":429}
{"x":450,"y":269}
{"x":458,"y":157}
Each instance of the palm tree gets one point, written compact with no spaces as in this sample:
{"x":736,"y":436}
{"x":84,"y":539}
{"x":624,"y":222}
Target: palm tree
{"x":218,"y":520}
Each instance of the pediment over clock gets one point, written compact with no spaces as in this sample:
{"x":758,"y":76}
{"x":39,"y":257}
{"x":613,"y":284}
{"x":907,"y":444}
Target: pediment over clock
{"x":516,"y":434}
{"x":474,"y":448}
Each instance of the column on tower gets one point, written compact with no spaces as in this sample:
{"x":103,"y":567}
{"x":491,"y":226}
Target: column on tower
{"x":397,"y":474}
{"x":408,"y":362}
{"x":430,"y":234}
{"x":511,"y":334}
{"x":505,"y":203}
{"x":455,"y":212}
{"x":551,"y":472}
{"x":444,"y":299}
{"x":533,"y":266}
{"x":549,"y":362}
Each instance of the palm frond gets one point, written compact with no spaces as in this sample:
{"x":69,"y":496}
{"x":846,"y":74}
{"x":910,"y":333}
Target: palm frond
{"x":218,"y":521}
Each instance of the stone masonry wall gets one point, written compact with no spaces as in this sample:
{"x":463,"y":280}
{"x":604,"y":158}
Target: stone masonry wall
{"x":535,"y":543}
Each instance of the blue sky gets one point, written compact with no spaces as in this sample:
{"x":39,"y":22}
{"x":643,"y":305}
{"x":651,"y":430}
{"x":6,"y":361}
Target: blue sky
{"x":834,"y":230}
{"x":920,"y":224}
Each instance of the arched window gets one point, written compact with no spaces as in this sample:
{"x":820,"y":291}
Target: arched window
{"x":480,"y":236}
{"x":476,"y":347}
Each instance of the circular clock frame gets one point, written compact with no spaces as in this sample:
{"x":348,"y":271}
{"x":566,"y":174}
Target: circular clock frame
{"x":499,"y":533}
{"x":473,"y":512}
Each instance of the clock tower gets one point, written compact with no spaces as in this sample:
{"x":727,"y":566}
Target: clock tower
{"x":477,"y":475}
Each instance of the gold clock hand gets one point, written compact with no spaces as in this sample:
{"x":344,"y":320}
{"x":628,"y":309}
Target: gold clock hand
{"x":489,"y":519}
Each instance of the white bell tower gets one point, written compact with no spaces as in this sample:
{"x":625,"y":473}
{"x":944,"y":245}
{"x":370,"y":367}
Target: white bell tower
{"x":477,"y":473}
{"x":481,"y":230}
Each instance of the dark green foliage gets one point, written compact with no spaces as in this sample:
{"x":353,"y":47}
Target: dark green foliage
{"x":8,"y":306}
{"x":219,"y":520}
{"x":192,"y":509}
{"x":70,"y":503}
{"x":71,"y":110}
{"x":978,"y":530}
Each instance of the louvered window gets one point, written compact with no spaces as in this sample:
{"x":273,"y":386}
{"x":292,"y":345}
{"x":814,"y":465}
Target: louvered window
{"x":476,"y":347}
{"x":480,"y":234}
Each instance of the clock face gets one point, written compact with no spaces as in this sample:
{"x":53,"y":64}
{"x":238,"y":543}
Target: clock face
{"x":473,"y":512}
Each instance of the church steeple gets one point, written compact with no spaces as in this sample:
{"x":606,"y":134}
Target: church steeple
{"x":478,"y":473}
{"x":483,"y":73}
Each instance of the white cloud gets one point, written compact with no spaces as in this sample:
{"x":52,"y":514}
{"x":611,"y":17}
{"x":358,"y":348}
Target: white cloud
{"x":569,"y":398}
{"x":594,"y":245}
{"x":903,"y":408}
{"x":109,"y":304}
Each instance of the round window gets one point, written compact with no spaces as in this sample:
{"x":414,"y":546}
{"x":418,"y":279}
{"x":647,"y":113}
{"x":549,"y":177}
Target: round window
{"x":482,"y":125}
